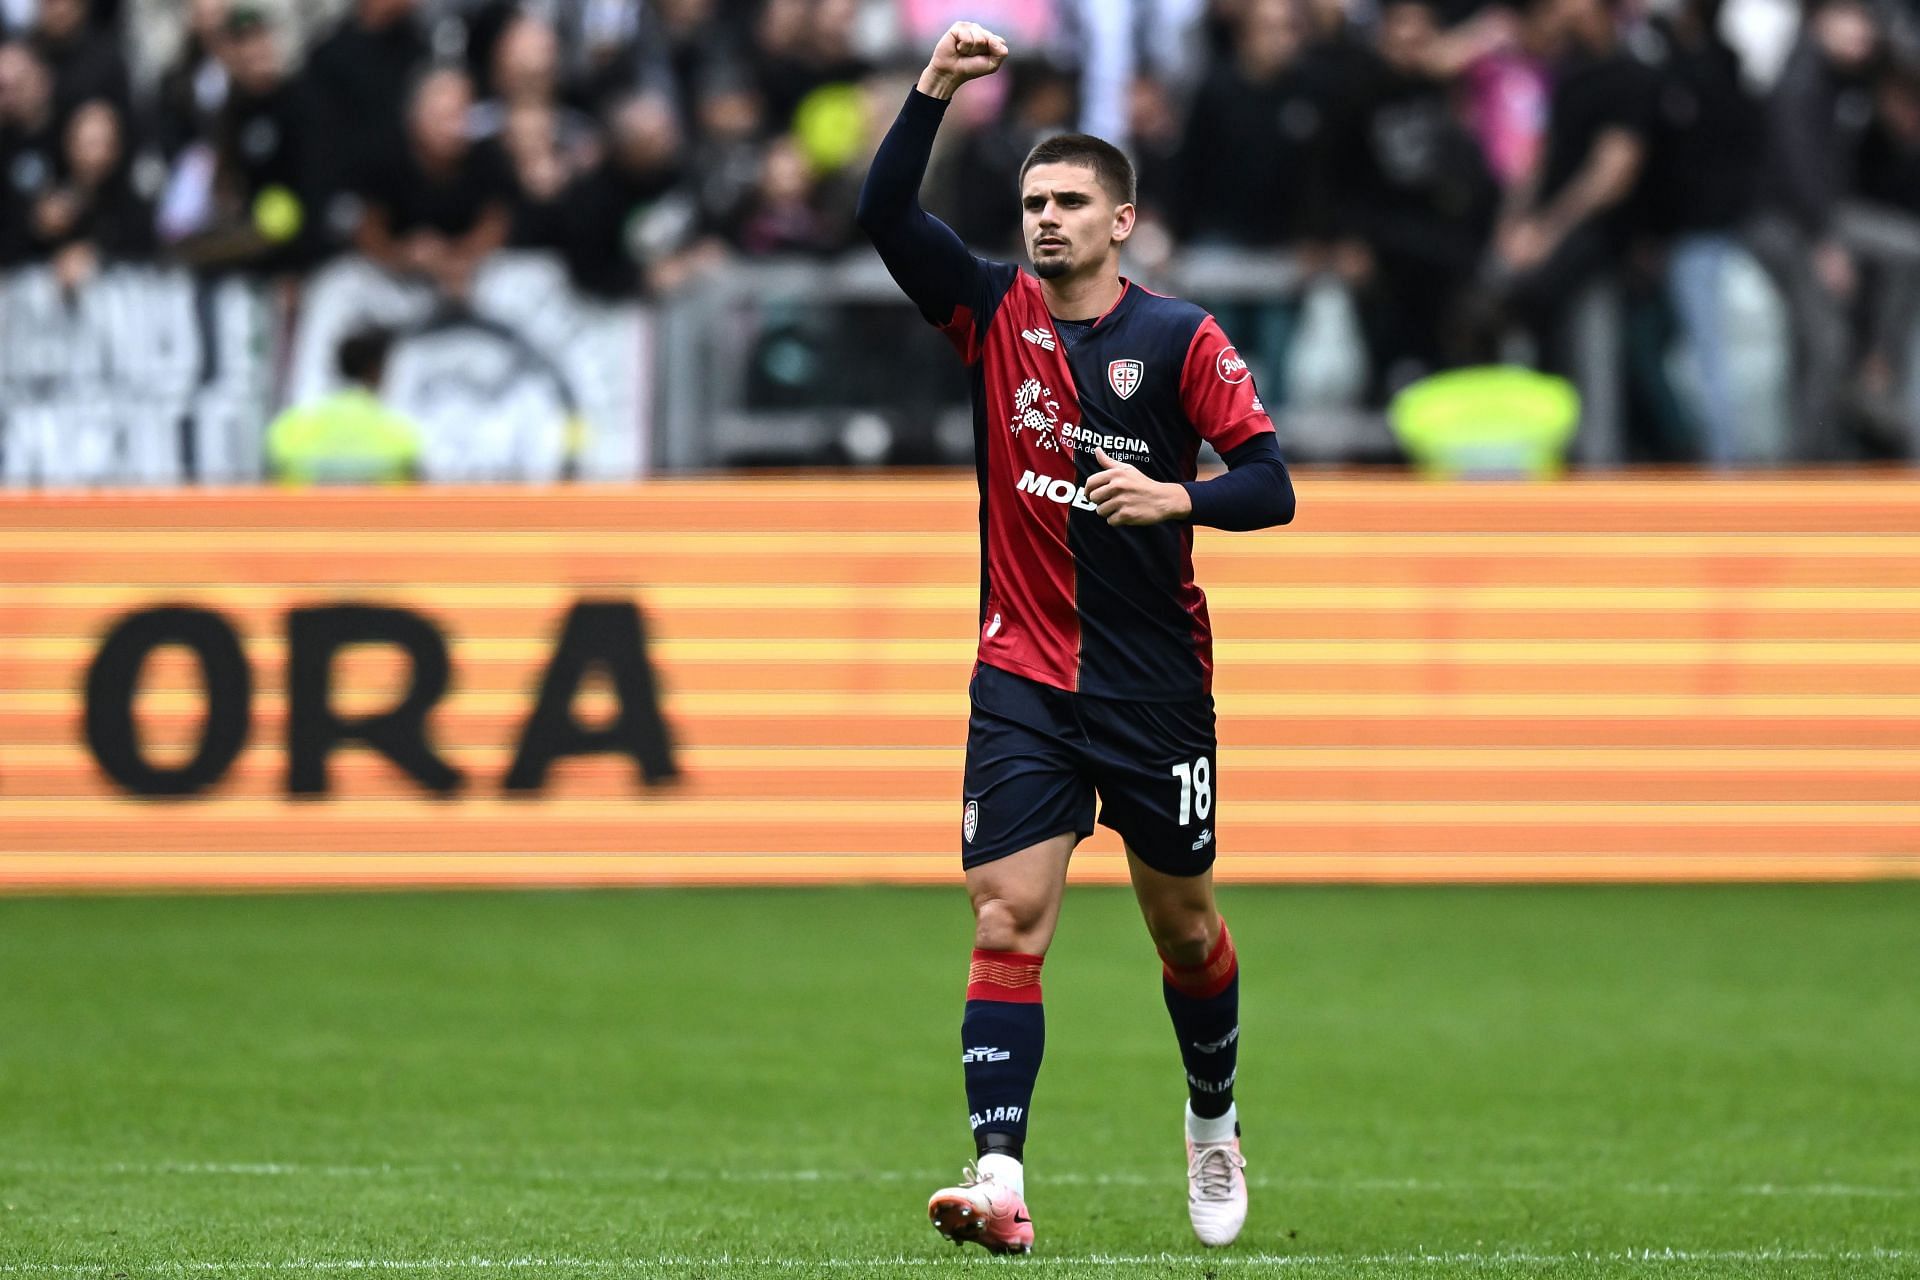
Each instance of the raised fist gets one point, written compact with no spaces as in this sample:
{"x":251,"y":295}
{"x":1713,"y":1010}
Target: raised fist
{"x":966,"y":52}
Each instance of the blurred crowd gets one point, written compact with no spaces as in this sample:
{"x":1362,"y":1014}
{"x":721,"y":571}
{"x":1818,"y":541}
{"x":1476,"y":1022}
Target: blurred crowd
{"x":1465,"y":168}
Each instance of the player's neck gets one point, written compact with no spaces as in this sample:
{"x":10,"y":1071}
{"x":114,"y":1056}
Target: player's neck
{"x":1082,"y":298}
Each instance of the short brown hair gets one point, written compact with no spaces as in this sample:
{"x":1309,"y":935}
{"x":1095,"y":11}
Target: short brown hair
{"x":1110,"y":165}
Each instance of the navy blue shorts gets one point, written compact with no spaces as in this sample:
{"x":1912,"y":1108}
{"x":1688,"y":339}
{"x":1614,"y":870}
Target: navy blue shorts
{"x":1037,"y":757}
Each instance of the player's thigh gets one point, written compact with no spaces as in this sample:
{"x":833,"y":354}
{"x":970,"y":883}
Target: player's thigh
{"x":1157,"y":771}
{"x":1024,"y":783}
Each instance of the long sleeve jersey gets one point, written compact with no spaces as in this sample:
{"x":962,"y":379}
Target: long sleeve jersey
{"x":1066,"y":598}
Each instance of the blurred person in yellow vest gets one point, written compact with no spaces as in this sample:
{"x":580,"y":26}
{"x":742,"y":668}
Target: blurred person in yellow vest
{"x":349,"y":436}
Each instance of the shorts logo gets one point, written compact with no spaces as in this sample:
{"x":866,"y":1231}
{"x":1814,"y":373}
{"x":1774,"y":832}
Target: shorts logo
{"x":970,"y":822}
{"x":1125,"y":375}
{"x":1232,"y":368}
{"x":1205,"y":836}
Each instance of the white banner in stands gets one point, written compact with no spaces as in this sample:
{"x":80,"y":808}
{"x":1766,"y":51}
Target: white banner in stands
{"x":533,"y":382}
{"x":144,"y":377}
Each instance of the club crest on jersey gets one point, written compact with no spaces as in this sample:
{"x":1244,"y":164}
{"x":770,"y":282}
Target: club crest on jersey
{"x":1124,"y":376}
{"x":1035,"y":409}
{"x":970,"y":823}
{"x":1232,"y":368}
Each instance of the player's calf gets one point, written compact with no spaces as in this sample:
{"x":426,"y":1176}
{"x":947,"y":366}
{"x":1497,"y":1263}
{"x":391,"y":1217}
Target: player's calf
{"x":1203,"y":1000}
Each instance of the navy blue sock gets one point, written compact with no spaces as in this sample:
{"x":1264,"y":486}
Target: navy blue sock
{"x":1002,"y":1036}
{"x":1204,"y":1002}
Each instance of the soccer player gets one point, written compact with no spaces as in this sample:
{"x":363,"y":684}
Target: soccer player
{"x":1091,"y":397}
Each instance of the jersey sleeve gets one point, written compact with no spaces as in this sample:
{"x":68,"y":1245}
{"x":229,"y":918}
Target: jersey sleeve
{"x":1216,"y":390}
{"x":952,"y":288}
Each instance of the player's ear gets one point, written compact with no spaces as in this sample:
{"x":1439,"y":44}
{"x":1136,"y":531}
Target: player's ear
{"x":1123,"y":218}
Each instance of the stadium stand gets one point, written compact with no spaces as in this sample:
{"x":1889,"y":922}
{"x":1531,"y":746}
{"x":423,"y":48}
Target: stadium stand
{"x":1705,"y":212}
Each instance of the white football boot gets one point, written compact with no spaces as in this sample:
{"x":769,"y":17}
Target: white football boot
{"x":1216,"y":1177}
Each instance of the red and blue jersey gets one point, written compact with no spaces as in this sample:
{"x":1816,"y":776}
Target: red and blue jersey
{"x":1066,"y":598}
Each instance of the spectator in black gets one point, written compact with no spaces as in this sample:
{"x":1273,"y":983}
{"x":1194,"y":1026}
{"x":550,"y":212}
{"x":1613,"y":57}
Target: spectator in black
{"x":85,"y":59}
{"x":1890,"y":183}
{"x":1702,"y":179}
{"x":1571,"y":218}
{"x":694,"y":50}
{"x":547,"y":142}
{"x":1252,"y":175}
{"x":193,"y":88}
{"x":529,"y":136}
{"x":1411,"y":189}
{"x":30,"y":147}
{"x":361,"y":76}
{"x":525,"y":71}
{"x":446,"y":205}
{"x":728,"y":148}
{"x":1154,"y":124}
{"x":1250,"y":156}
{"x":783,"y":216}
{"x":1890,"y":153}
{"x":268,"y":199}
{"x":633,"y":223}
{"x":801,"y":46}
{"x":1337,"y":49}
{"x":95,"y":216}
{"x":1817,"y":119}
{"x":609,"y":51}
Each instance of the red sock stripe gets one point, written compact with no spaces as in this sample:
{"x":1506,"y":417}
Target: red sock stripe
{"x":1207,"y":980}
{"x":1010,"y":977}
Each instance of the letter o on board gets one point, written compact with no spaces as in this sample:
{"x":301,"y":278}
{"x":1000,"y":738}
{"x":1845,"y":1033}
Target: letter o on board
{"x":114,"y":679}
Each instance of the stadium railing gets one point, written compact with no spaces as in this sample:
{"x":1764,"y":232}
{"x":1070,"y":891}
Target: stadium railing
{"x":153,"y":376}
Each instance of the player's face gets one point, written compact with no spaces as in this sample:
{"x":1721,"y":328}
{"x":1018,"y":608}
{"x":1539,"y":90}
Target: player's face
{"x":1070,"y":222}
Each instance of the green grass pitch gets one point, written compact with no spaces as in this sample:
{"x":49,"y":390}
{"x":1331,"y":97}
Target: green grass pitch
{"x":1435,"y":1082}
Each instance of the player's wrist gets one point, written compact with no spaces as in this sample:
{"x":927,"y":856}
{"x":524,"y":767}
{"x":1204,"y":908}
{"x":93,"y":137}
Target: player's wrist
{"x":1179,"y":501}
{"x":938,"y":84}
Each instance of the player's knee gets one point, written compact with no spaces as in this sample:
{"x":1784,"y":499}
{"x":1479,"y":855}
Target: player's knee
{"x":1007,"y":924}
{"x":1185,"y":938}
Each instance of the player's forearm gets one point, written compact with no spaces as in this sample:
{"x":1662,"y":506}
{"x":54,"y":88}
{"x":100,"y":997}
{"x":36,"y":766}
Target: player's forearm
{"x":1255,"y":493}
{"x":924,"y":256}
{"x":890,"y":197}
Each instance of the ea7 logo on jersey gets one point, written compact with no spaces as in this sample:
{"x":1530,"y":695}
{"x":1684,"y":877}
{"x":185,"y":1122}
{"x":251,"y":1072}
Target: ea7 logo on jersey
{"x":1232,"y":368}
{"x":1039,"y":338}
{"x":1124,"y":376}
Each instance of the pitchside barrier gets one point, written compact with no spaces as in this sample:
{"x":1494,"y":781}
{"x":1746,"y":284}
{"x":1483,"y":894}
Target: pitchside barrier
{"x":763,"y":681}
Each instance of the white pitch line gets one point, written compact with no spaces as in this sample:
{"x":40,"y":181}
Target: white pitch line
{"x":1304,"y":1261}
{"x":1064,"y":1178}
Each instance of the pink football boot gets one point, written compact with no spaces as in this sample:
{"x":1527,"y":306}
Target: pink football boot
{"x":1216,"y":1190}
{"x":983,"y":1211}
